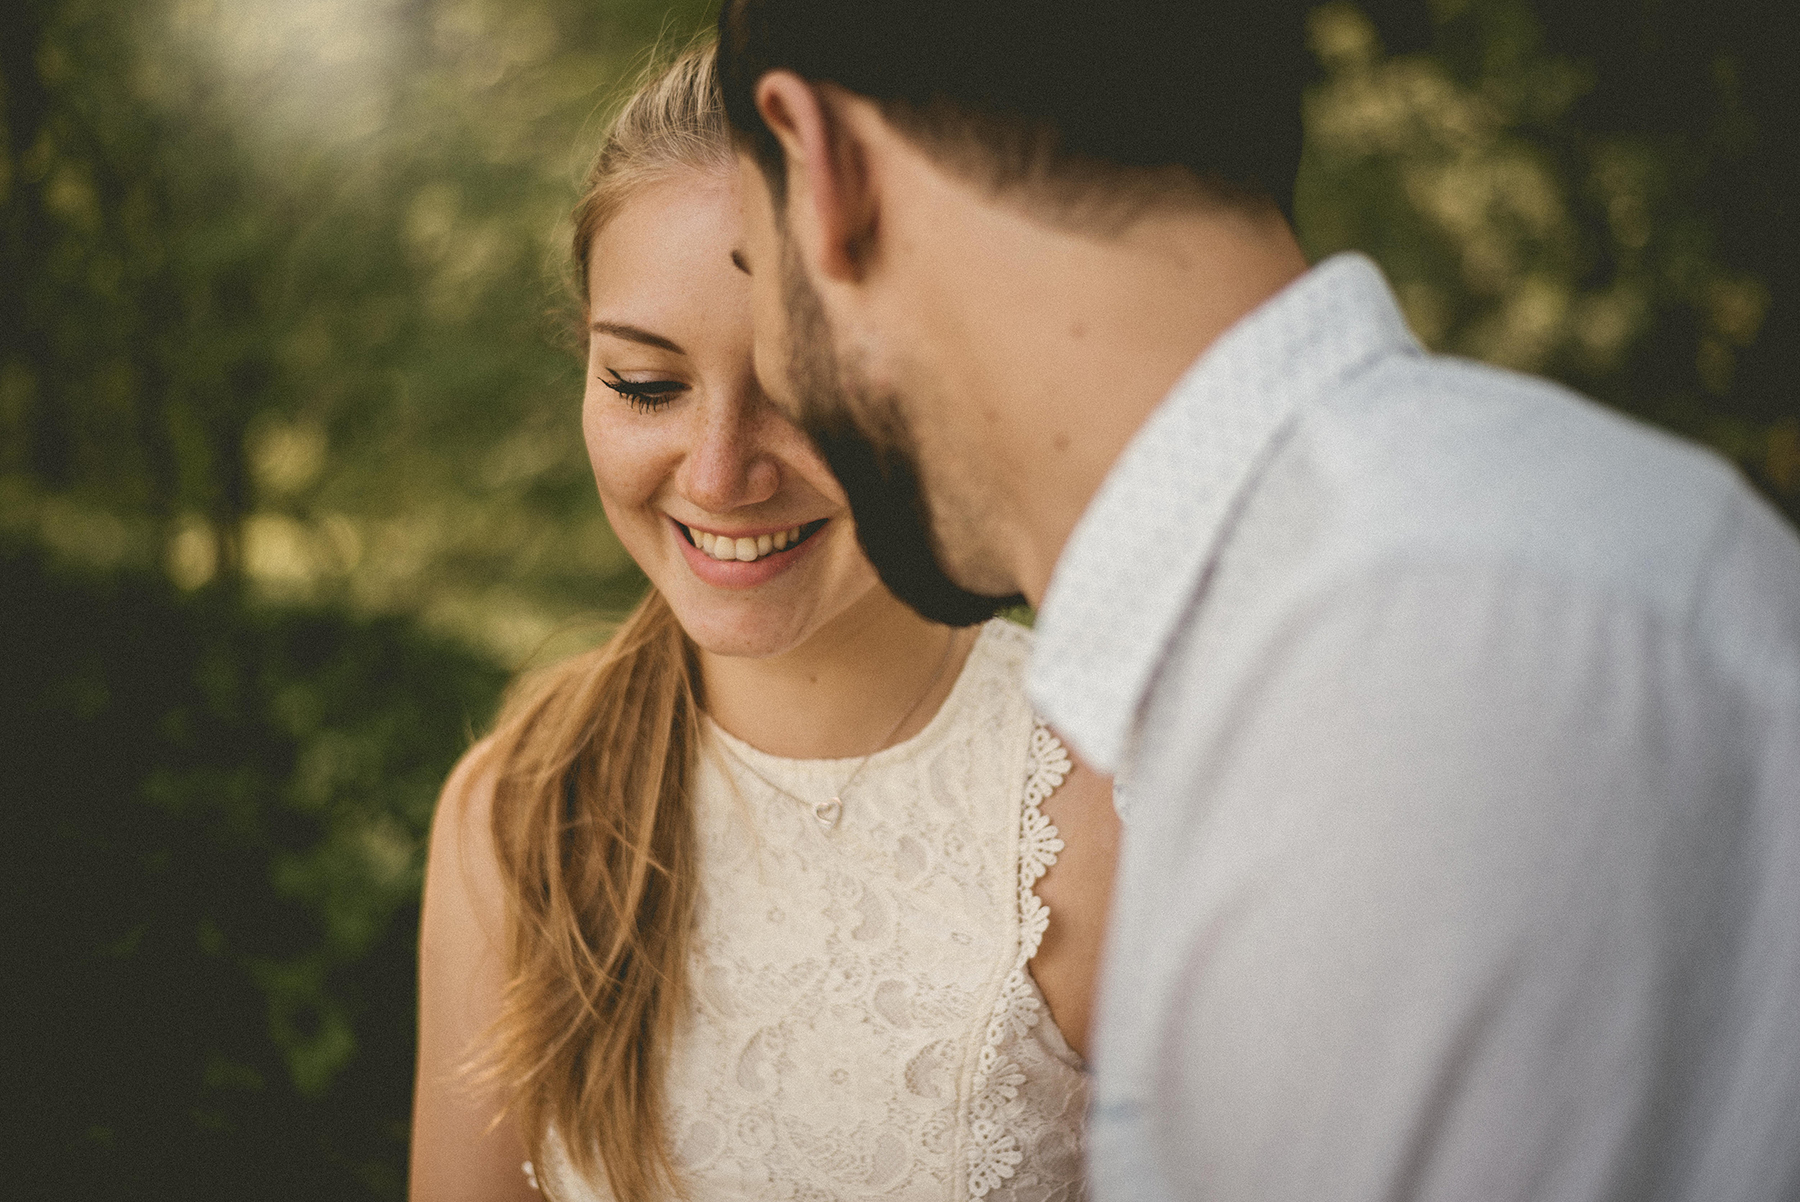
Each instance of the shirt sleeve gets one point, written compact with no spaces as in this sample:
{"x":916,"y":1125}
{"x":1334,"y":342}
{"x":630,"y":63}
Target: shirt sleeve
{"x":1485,"y":890}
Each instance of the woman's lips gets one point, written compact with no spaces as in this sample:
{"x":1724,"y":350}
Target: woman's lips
{"x":735,"y":573}
{"x":750,"y":548}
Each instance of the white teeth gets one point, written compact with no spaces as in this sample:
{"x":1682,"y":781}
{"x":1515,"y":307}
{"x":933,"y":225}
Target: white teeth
{"x":726,"y":548}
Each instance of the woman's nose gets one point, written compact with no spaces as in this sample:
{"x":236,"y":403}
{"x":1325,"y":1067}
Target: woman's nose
{"x":728,"y":466}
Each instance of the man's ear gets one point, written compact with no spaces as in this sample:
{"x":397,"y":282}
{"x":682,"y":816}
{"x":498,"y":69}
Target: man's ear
{"x":831,"y":207}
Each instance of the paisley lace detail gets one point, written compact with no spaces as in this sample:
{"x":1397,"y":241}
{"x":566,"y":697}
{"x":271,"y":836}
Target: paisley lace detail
{"x":859,"y":1026}
{"x":994,"y":1151}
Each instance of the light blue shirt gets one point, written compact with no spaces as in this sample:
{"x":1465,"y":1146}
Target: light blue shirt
{"x":1457,"y":726}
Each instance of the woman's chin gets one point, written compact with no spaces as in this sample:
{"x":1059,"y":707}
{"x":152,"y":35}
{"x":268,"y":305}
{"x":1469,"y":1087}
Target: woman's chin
{"x":738,"y":638}
{"x":765,"y":625}
{"x":801,"y":596}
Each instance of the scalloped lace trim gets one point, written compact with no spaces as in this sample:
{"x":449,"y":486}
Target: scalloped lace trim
{"x":994,"y":1149}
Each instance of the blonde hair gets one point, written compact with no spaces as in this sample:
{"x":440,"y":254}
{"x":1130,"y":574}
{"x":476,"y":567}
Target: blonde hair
{"x":673,"y":121}
{"x":593,"y":764}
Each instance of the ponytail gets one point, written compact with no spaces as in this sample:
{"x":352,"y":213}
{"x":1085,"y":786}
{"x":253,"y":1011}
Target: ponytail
{"x":593,"y":829}
{"x":593,"y":765}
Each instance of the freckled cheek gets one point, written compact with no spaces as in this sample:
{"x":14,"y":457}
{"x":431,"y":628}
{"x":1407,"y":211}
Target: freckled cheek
{"x":806,"y":466}
{"x":593,"y":431}
{"x":629,"y":467}
{"x":848,"y":575}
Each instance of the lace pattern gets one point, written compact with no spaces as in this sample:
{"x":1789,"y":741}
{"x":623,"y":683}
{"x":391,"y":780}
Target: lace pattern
{"x":863,"y":1022}
{"x":994,"y":1151}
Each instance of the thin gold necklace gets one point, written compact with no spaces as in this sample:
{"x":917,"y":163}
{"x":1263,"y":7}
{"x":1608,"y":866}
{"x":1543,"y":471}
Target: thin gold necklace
{"x":828,"y":812}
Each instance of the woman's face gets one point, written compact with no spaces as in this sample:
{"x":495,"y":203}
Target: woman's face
{"x":721,"y":501}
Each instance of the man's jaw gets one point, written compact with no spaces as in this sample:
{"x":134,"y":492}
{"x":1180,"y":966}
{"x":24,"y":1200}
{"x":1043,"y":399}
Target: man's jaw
{"x":882,"y":484}
{"x":867,"y":443}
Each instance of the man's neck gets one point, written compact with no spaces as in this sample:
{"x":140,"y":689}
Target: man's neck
{"x":1061,"y":344}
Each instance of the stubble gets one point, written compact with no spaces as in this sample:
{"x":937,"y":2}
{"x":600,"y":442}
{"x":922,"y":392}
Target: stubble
{"x":865,"y":439}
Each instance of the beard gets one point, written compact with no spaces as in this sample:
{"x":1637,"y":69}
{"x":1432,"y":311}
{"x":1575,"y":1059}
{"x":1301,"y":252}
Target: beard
{"x":868,"y":445}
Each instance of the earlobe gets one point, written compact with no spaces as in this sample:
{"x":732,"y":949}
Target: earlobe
{"x":830,"y":210}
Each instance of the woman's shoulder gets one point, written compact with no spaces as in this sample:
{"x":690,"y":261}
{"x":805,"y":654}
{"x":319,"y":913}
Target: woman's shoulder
{"x":460,"y":852}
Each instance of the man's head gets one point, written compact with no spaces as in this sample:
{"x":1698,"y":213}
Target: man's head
{"x":1089,"y":119}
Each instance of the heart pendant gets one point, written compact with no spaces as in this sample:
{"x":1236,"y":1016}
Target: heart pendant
{"x":828,"y":812}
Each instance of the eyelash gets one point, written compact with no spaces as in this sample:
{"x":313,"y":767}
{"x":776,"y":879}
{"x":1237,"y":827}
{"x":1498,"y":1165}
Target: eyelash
{"x":645,"y":397}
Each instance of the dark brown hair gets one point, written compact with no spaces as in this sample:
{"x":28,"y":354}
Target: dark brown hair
{"x":1091,"y":112}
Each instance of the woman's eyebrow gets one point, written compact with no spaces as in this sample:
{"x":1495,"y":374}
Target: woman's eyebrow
{"x":634,"y":334}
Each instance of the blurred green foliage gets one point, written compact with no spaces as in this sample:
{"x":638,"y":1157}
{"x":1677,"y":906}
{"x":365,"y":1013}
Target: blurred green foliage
{"x":290,"y":472}
{"x":1600,"y":192}
{"x":289,"y":476}
{"x":284,"y":303}
{"x":213,"y":816}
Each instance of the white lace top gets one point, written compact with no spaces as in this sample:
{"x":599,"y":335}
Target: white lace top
{"x":863,"y":1022}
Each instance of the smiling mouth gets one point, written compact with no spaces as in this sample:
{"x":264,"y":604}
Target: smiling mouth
{"x":747,"y":550}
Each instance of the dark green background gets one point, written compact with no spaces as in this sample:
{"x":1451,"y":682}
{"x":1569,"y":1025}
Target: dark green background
{"x":290,"y":478}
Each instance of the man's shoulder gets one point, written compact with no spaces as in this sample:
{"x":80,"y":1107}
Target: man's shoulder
{"x":1433,"y":461}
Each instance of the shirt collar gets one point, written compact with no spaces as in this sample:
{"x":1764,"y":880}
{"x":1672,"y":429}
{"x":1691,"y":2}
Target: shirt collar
{"x":1132,"y":564}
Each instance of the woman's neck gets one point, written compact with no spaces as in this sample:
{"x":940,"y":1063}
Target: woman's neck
{"x":871,"y":678}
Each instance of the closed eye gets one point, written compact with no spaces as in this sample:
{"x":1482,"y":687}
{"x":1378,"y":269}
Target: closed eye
{"x":646,"y":396}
